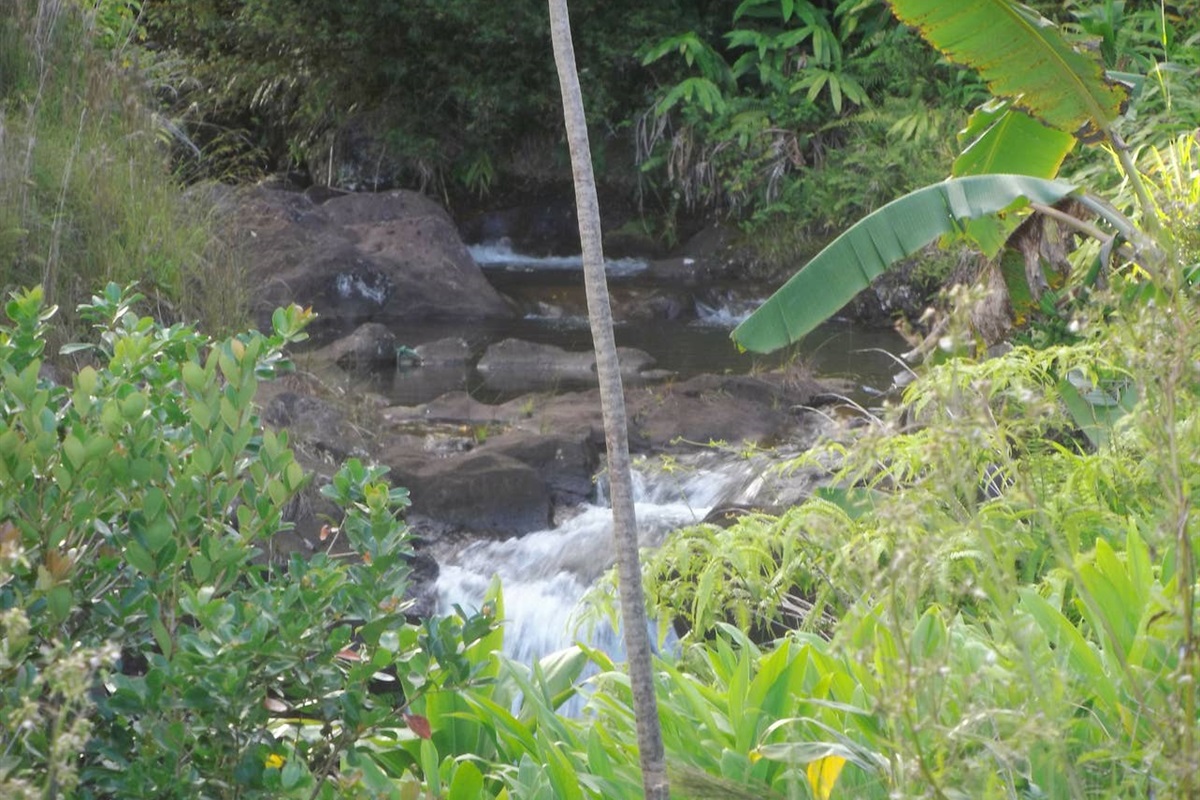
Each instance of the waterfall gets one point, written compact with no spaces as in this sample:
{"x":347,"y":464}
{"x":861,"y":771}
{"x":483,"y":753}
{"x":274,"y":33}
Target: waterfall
{"x":545,"y":574}
{"x":501,"y":255}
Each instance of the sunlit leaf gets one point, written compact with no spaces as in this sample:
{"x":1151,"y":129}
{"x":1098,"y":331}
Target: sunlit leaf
{"x":999,"y":138}
{"x":1022,"y":56}
{"x":823,"y":775}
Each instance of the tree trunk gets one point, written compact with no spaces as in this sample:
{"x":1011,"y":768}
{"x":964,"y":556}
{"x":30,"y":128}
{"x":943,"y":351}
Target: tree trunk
{"x":612,"y":401}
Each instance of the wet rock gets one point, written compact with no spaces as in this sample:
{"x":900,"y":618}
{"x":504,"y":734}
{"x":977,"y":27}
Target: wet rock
{"x":565,"y":462}
{"x":514,"y":365}
{"x":538,"y":229}
{"x":673,"y":419}
{"x":444,"y":352}
{"x":454,"y":407}
{"x":575,"y":414}
{"x":371,"y":344}
{"x":316,"y":425}
{"x":357,"y":257}
{"x":647,"y":305}
{"x":487,"y":493}
{"x":714,"y":254}
{"x":422,"y":586}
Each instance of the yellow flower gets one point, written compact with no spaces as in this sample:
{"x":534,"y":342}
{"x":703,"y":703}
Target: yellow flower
{"x":274,"y":761}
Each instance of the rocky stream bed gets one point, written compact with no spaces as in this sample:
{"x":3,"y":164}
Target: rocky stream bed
{"x":467,"y":371}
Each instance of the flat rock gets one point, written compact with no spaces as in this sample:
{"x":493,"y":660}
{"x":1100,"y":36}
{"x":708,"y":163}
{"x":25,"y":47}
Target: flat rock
{"x":453,"y":351}
{"x":514,"y":365}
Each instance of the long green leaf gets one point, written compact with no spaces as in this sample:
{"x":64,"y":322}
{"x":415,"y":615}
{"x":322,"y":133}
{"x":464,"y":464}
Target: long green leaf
{"x":1086,"y":667}
{"x":1022,"y":57}
{"x":1000,"y":139}
{"x":874,"y":243}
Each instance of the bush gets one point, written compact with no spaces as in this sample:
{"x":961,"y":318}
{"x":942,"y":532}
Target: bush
{"x":135,"y":498}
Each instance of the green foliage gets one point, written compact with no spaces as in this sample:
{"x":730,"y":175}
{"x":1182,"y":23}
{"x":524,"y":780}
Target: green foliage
{"x":137,"y":497}
{"x":87,"y":196}
{"x":1068,"y":92}
{"x":799,"y":103}
{"x":115,"y":23}
{"x":998,"y":569}
{"x":763,"y":575}
{"x":263,"y":83}
{"x":1018,"y":55}
{"x":872,"y":245}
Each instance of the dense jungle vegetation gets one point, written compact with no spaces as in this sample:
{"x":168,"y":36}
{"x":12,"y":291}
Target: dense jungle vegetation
{"x":698,"y":108}
{"x":996,"y":596}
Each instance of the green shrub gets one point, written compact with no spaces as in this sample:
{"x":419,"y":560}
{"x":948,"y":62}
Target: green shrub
{"x":136,"y":496}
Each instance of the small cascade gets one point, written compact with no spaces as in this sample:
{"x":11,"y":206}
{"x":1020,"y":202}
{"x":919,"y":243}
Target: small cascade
{"x":500,"y":255}
{"x":545,"y":574}
{"x":729,"y":312}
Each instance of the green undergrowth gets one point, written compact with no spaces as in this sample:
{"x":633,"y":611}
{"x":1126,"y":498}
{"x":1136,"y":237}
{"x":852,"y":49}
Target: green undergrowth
{"x":87,"y":196}
{"x":1003,"y":571}
{"x":151,"y":645}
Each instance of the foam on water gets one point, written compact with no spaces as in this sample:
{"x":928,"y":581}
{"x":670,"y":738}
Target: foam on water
{"x":501,"y":254}
{"x":730,"y":313}
{"x":545,"y":574}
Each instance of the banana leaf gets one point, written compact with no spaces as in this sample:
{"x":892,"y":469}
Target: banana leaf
{"x":1023,"y":57}
{"x":1000,"y":139}
{"x":874,"y":243}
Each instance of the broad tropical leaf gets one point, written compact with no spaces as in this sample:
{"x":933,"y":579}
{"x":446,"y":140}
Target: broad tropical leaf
{"x":874,"y":243}
{"x":1000,"y":139}
{"x":1022,"y":57}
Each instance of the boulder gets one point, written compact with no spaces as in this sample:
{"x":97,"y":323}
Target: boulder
{"x":317,"y":426}
{"x":514,"y":365}
{"x":714,"y":254}
{"x":738,"y":409}
{"x":371,"y":344}
{"x":536,"y":229}
{"x":444,"y":352}
{"x":565,"y":461}
{"x":647,"y":304}
{"x":673,"y":418}
{"x":484,"y":492}
{"x":422,"y":586}
{"x":453,"y":407}
{"x":356,"y":258}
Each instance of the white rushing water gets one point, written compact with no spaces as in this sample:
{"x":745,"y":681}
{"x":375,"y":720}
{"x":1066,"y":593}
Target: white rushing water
{"x":501,"y":254}
{"x":545,"y":574}
{"x":729,"y":313}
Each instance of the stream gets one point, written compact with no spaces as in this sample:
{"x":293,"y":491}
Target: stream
{"x":549,"y":293}
{"x":545,"y":574}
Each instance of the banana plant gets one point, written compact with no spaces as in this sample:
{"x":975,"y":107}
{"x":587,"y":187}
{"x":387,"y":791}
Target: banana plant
{"x":899,"y":229}
{"x":1063,"y":95}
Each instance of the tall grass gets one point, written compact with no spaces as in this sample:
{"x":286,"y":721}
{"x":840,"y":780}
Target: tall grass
{"x":86,"y":193}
